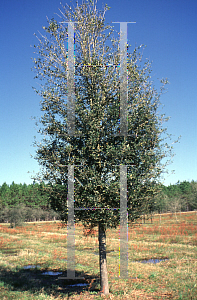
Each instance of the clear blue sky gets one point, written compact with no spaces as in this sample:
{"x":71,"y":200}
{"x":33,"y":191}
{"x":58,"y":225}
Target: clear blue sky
{"x":168,"y":28}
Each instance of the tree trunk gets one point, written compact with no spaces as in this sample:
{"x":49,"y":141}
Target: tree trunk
{"x":103,"y":259}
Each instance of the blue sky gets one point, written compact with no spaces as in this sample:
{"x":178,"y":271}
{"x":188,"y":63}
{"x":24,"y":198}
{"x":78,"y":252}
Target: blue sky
{"x":168,"y":29}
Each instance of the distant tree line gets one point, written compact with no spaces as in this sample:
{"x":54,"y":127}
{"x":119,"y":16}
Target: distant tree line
{"x":32,"y":195}
{"x":37,"y":202}
{"x":22,"y":202}
{"x":181,"y":196}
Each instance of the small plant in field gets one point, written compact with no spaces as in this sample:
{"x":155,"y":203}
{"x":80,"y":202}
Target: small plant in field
{"x":119,"y":293}
{"x":93,"y":293}
{"x":140,"y":276}
{"x":152,"y":275}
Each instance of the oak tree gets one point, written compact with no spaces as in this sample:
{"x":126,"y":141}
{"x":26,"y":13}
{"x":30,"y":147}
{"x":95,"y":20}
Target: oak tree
{"x":96,"y":148}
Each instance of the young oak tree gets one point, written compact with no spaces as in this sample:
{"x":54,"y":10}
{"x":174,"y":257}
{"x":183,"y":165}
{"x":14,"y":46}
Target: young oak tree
{"x":97,"y":149}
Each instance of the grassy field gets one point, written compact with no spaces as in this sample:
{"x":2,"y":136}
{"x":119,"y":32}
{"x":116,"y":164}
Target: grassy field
{"x":43,"y":245}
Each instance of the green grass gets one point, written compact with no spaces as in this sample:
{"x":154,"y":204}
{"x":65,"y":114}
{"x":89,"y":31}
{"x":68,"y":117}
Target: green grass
{"x":44,"y":244}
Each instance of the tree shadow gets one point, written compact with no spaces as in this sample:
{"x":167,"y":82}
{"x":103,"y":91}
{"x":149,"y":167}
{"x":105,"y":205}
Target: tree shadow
{"x":33,"y":281}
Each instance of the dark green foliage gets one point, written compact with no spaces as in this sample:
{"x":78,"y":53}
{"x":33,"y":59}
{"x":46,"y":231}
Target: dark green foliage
{"x":32,"y":195}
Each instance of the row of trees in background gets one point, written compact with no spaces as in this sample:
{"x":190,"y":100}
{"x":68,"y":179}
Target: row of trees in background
{"x":39,"y":200}
{"x":18,"y":214}
{"x":181,"y":196}
{"x":21,"y":202}
{"x":32,"y":195}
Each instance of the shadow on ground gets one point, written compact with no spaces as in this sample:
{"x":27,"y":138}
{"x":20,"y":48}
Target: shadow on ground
{"x":33,"y":281}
